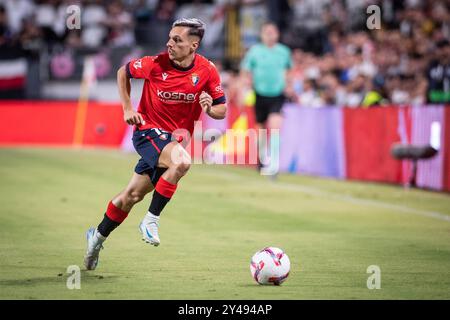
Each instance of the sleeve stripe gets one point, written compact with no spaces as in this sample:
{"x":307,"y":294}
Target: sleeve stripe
{"x":219,"y":100}
{"x":128,"y":70}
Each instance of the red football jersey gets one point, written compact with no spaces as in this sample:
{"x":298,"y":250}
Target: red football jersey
{"x":170,"y":96}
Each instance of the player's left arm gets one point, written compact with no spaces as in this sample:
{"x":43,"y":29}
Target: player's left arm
{"x":212,"y":100}
{"x":215,"y":111}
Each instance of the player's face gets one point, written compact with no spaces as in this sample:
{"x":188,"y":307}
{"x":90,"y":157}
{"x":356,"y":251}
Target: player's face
{"x":181,"y":44}
{"x":269,"y":35}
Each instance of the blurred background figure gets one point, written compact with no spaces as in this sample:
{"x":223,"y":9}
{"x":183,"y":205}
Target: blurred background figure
{"x":265,"y":66}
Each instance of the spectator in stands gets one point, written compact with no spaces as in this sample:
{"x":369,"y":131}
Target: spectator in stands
{"x":212,"y":15}
{"x":17,"y":11}
{"x":94,"y":31}
{"x":31,"y":38}
{"x":308,"y":25}
{"x":310,"y":96}
{"x":12,"y":62}
{"x":165,"y":10}
{"x":295,"y":76}
{"x":331,"y":90}
{"x":46,"y":16}
{"x":120,"y":25}
{"x":5,"y":33}
{"x":439,"y":75}
{"x":357,"y":90}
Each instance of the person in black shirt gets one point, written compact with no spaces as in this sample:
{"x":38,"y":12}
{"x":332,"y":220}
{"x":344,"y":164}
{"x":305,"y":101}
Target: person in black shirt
{"x":438,"y":75}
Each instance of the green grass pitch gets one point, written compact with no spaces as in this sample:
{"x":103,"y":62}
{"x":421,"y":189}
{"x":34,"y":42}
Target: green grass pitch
{"x":331,"y":230}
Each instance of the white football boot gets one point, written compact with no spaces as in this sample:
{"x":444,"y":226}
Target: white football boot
{"x":94,"y":245}
{"x":149,"y":229}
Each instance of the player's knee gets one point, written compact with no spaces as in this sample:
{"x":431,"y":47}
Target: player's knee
{"x":182,"y":168}
{"x":134,"y":196}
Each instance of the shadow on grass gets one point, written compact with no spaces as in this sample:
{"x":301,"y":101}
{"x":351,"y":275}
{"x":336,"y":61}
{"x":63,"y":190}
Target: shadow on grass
{"x":86,"y":277}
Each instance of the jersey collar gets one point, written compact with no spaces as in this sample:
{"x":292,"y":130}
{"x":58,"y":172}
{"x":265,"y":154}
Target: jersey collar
{"x":184,"y":68}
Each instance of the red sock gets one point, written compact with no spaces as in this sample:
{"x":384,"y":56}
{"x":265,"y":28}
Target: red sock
{"x":163,"y":192}
{"x":165,"y":188}
{"x":115,"y":214}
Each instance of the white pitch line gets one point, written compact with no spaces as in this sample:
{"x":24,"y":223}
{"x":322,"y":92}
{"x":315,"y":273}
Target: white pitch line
{"x":338,"y":196}
{"x":373,"y":203}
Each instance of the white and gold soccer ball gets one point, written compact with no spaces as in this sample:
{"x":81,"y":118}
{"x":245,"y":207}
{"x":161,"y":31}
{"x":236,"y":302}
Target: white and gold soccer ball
{"x":270,"y":266}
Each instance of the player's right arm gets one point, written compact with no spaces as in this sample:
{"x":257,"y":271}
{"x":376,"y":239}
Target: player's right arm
{"x":123,"y":82}
{"x":137,"y":69}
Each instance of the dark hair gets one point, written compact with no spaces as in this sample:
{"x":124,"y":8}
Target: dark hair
{"x":196,"y":26}
{"x":442,"y":44}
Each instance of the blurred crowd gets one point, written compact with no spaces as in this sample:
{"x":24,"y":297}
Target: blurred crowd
{"x":407,"y":61}
{"x":337,"y":59}
{"x":111,"y":23}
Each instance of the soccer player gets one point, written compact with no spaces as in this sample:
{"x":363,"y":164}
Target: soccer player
{"x":265,"y":65}
{"x":179,"y":84}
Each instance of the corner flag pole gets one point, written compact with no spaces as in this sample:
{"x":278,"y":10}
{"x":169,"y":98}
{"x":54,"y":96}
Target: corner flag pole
{"x":88,"y":79}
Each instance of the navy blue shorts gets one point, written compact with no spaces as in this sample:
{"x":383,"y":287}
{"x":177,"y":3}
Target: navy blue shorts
{"x":149,"y":143}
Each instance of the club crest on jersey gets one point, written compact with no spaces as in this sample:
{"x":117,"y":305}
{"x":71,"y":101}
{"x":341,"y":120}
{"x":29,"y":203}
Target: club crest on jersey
{"x":195,"y":78}
{"x":137,"y":64}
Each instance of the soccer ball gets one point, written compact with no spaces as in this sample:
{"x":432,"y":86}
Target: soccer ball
{"x":270,"y":266}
